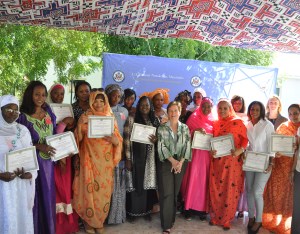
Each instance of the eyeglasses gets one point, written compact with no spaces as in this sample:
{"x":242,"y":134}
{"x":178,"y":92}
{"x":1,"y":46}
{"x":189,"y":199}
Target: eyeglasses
{"x":11,"y":111}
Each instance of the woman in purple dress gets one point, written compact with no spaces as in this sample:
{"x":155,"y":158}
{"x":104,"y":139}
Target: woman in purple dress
{"x":37,"y":116}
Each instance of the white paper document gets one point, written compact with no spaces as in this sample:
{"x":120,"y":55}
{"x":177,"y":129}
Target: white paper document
{"x":140,"y":133}
{"x":100,"y":126}
{"x":256,"y":161}
{"x":223,"y":145}
{"x":62,"y":111}
{"x":25,"y":158}
{"x":201,"y":141}
{"x":64,"y":143}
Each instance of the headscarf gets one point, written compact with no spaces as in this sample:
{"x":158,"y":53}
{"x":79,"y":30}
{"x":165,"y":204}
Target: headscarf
{"x":107,"y":110}
{"x":11,"y":129}
{"x":200,"y":90}
{"x":231,"y":110}
{"x":7,"y":129}
{"x":53,"y":87}
{"x":199,"y":120}
{"x":163,"y":92}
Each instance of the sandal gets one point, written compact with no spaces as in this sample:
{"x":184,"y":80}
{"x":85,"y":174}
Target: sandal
{"x":88,"y":228}
{"x":167,"y":231}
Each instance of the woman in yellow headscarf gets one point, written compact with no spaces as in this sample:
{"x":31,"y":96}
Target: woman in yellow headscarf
{"x":93,"y":182}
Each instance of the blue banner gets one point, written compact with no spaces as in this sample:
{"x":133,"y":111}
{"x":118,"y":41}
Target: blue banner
{"x":219,"y":80}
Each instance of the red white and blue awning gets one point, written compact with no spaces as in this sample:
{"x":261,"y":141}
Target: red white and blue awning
{"x":254,"y":24}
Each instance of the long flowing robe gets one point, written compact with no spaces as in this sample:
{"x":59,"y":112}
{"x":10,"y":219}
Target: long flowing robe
{"x":194,"y":188}
{"x":278,"y":195}
{"x":226,"y":175}
{"x":66,"y":218}
{"x":16,"y":196}
{"x":141,"y":196}
{"x":44,"y":214}
{"x":94,"y":173}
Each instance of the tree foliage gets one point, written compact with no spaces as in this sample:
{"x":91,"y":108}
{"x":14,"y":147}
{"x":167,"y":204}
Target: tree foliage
{"x":186,"y":49}
{"x":27,"y":51}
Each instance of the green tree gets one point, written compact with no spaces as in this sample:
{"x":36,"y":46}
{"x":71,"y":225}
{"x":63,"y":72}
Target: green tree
{"x":27,"y":51}
{"x":186,"y":49}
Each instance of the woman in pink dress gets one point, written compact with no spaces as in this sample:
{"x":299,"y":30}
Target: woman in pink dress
{"x":66,"y":217}
{"x":194,"y":187}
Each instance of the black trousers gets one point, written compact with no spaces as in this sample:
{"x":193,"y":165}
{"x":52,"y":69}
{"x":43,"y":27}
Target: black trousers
{"x":296,"y":208}
{"x":168,"y":188}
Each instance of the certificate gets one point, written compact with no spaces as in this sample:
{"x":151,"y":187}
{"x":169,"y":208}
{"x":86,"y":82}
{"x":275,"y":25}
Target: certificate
{"x":223,"y":145}
{"x":25,"y":158}
{"x":256,"y":161}
{"x":140,"y":133}
{"x":201,"y":141}
{"x":282,"y":144}
{"x":61,"y":111}
{"x":100,"y":126}
{"x":64,"y":143}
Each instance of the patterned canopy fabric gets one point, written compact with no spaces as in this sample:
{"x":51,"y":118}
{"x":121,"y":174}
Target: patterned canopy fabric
{"x":254,"y":24}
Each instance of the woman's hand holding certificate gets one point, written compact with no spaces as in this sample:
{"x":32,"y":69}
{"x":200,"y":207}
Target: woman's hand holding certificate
{"x":100,"y":126}
{"x":201,"y":141}
{"x":142,"y":133}
{"x":256,"y":161}
{"x":23,"y":158}
{"x":64,"y":144}
{"x":284,"y":145}
{"x":222,"y":145}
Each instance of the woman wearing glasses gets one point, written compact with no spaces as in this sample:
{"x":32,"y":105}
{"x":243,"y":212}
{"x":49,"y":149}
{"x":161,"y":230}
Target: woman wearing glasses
{"x":17,"y":187}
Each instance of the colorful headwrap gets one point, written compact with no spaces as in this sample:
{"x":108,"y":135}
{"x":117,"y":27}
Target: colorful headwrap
{"x":53,"y":87}
{"x":107,"y":110}
{"x":231,"y":110}
{"x":163,"y":92}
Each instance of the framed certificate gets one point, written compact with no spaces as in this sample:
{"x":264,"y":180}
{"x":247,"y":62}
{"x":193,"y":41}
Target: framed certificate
{"x":64,"y":143}
{"x":256,"y":161}
{"x":282,"y":144}
{"x":201,"y":141}
{"x":25,"y":158}
{"x":100,"y":126}
{"x":62,"y":111}
{"x":140,"y":133}
{"x":223,"y":145}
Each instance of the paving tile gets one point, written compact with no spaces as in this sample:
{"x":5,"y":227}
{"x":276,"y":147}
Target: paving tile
{"x":141,"y":226}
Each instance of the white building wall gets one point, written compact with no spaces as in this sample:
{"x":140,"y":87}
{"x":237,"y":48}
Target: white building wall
{"x":95,"y":79}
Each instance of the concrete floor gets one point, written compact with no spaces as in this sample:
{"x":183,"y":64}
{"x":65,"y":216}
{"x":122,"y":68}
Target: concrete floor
{"x":141,"y":226}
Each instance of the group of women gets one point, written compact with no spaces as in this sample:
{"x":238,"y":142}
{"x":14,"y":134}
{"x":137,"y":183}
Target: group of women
{"x":113,"y":177}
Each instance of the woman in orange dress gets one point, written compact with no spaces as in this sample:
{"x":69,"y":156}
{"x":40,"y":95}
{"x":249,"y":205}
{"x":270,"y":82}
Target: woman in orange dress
{"x":93,"y":182}
{"x":278,"y":196}
{"x":226,"y":180}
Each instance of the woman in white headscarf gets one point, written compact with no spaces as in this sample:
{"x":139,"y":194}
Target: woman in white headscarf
{"x":16,"y":188}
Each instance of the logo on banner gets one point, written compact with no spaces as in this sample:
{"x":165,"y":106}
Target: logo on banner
{"x":196,"y":81}
{"x":118,"y":76}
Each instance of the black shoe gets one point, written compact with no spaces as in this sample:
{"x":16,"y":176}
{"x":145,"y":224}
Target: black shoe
{"x":249,"y":226}
{"x":250,"y":231}
{"x":188,"y":216}
{"x":202,"y":217}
